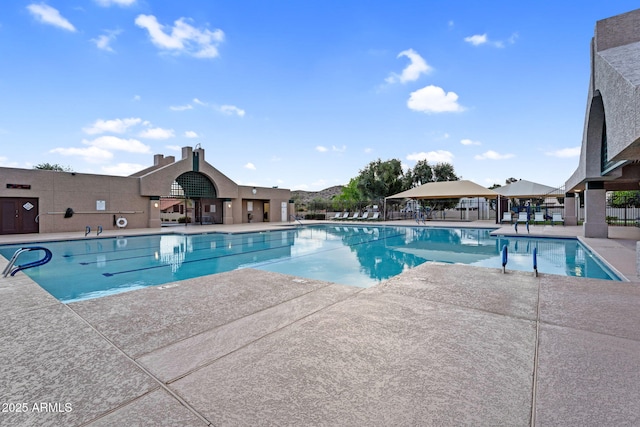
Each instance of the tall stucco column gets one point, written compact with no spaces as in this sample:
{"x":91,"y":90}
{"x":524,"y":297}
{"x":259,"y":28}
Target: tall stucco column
{"x":227,"y":211}
{"x":570,"y":213}
{"x":154,"y":212}
{"x":292,"y":209}
{"x":595,"y":213}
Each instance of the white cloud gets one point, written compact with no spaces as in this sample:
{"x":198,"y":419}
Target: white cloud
{"x":173,"y":147}
{"x":492,"y":155}
{"x":89,"y":154}
{"x":190,"y":134}
{"x":469,"y":142}
{"x":564,"y":152}
{"x":480,"y":39}
{"x":321,"y":149}
{"x":107,"y":3}
{"x":109,"y":142}
{"x":4,"y":161}
{"x":231,"y":109}
{"x":182,"y":37}
{"x":122,"y":169}
{"x":197,"y":101}
{"x":115,"y":126}
{"x":250,"y":166}
{"x":477,"y":39}
{"x":412,"y":72}
{"x":368,"y":150}
{"x":48,"y":15}
{"x":103,"y":41}
{"x":438,"y":156}
{"x":137,"y":98}
{"x":433,"y":99}
{"x":157,"y":133}
{"x":339,"y":149}
{"x":180,"y":107}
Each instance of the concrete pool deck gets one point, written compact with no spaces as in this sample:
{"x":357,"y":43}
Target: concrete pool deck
{"x":436,"y":345}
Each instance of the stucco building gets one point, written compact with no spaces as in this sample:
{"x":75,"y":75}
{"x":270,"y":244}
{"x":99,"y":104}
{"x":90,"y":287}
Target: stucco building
{"x":610,"y":154}
{"x":42,"y":201}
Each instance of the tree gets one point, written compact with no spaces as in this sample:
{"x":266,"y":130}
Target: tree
{"x":420,"y":174}
{"x":623,"y":199}
{"x":444,"y":172}
{"x":510,"y":180}
{"x":381,"y":179}
{"x":350,"y":195}
{"x":53,"y":167}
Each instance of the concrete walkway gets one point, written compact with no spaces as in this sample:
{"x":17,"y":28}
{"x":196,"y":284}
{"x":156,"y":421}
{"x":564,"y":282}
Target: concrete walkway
{"x":436,"y":345}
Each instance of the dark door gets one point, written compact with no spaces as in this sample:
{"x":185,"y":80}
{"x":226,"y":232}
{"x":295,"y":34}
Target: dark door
{"x":19,"y":215}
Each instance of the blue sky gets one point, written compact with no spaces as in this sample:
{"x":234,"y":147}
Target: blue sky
{"x":298,"y":94}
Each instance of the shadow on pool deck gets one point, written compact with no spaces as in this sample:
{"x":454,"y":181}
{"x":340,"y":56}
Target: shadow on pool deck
{"x":436,"y":345}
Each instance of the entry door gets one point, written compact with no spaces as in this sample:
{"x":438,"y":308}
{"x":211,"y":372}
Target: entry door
{"x":19,"y":215}
{"x":283,"y":211}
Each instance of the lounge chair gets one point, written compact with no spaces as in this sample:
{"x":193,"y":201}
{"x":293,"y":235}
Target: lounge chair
{"x":539,"y":217}
{"x":364,"y":216}
{"x":355,"y":216}
{"x":337,"y":216}
{"x":557,"y":217}
{"x":344,"y":216}
{"x":506,"y":217}
{"x":522,"y":217}
{"x":376,"y":216}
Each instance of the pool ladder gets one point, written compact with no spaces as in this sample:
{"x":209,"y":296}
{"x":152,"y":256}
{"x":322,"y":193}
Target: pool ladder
{"x":505,"y":256}
{"x":87,"y":230}
{"x":12,"y":270}
{"x":295,"y":218}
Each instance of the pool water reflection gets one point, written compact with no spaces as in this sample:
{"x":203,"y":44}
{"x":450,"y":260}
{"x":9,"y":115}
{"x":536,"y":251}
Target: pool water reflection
{"x":346,"y":254}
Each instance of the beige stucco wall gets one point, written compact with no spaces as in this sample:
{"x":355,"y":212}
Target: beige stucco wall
{"x":57,"y":191}
{"x":134,"y":198}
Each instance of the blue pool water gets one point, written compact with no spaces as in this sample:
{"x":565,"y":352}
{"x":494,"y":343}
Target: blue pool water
{"x":350,"y":255}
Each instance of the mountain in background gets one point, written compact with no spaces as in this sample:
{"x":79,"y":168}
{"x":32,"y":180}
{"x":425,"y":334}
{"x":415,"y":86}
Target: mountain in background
{"x":307,"y":196}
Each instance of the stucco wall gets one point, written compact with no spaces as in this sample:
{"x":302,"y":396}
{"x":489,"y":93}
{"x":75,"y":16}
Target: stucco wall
{"x":57,"y":191}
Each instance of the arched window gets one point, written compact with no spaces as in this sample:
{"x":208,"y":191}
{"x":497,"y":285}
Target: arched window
{"x":193,"y":185}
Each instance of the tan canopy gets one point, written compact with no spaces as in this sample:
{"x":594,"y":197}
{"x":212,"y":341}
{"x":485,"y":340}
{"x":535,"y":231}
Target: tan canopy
{"x":524,"y":189}
{"x":446,"y":190}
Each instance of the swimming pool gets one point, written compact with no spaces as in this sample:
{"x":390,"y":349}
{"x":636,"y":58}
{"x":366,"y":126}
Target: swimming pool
{"x":349,"y":254}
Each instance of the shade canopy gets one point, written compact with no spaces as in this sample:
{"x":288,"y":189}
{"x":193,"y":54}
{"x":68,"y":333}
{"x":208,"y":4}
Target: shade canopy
{"x":524,"y":188}
{"x":446,"y":190}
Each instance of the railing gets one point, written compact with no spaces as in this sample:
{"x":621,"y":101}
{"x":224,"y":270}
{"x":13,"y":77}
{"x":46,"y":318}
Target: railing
{"x":295,"y":218}
{"x":87,"y":230}
{"x":12,"y":270}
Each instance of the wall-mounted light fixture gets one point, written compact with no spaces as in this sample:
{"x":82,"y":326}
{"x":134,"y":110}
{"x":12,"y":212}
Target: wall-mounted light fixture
{"x":254,"y":191}
{"x":229,"y":205}
{"x":155,"y":204}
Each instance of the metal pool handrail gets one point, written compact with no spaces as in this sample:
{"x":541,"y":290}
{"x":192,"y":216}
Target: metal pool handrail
{"x":11,"y":269}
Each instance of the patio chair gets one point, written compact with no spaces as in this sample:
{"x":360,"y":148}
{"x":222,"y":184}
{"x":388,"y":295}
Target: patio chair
{"x":376,"y":216}
{"x":364,"y":216}
{"x":539,"y":217}
{"x":506,"y":217}
{"x":355,"y":216}
{"x":557,"y":217}
{"x":337,"y":216}
{"x":522,"y":217}
{"x":344,"y":216}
